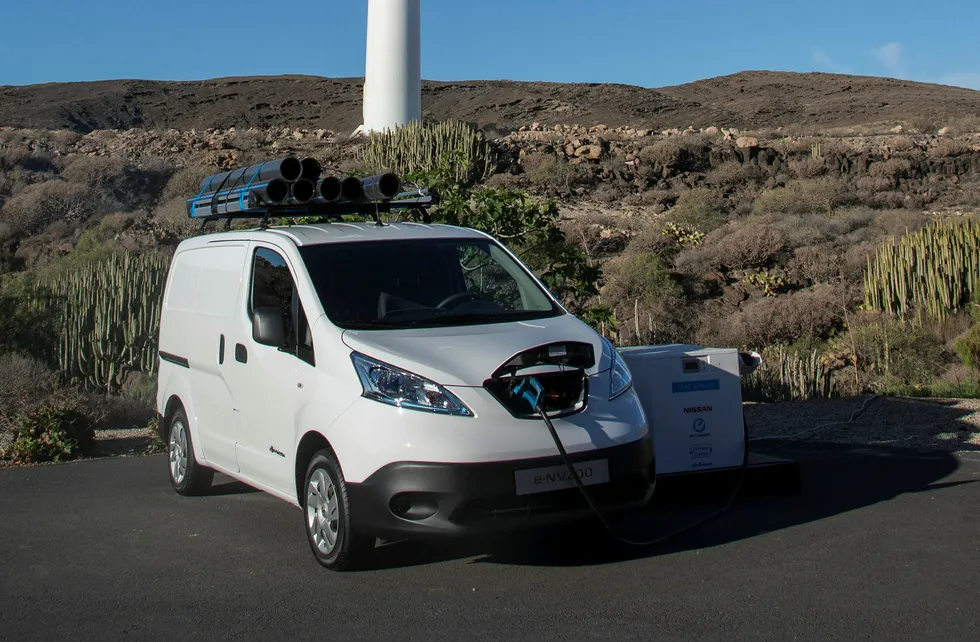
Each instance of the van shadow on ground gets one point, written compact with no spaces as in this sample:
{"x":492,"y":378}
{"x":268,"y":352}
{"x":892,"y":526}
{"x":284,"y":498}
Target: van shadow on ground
{"x":835,"y":479}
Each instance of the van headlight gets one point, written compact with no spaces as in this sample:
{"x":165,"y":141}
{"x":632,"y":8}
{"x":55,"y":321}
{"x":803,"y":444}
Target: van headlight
{"x":620,"y":377}
{"x":391,"y":385}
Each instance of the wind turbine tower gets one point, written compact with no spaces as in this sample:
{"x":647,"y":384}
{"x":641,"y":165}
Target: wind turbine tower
{"x":393,"y":65}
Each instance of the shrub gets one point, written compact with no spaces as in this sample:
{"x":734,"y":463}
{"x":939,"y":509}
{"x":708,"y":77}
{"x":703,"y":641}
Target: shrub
{"x":638,"y":276}
{"x":650,"y":239}
{"x":117,"y":182}
{"x":902,"y":143}
{"x":899,"y":221}
{"x":924,"y":125}
{"x":676,"y":155}
{"x":185,"y":183}
{"x":816,"y":263}
{"x":893,"y":351}
{"x":550,"y":172}
{"x":28,"y":326}
{"x":891,"y":169}
{"x":648,"y":302}
{"x":808,"y":167}
{"x":54,"y":433}
{"x":95,"y":244}
{"x":802,"y":197}
{"x":24,"y":379}
{"x":811,"y":313}
{"x":968,"y":347}
{"x":732,"y":173}
{"x":965,"y":124}
{"x":700,"y":207}
{"x":39,"y":205}
{"x":170,"y":220}
{"x":100,"y":172}
{"x":949,"y":147}
{"x":735,"y":246}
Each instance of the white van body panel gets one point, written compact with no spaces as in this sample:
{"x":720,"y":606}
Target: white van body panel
{"x":203,"y":290}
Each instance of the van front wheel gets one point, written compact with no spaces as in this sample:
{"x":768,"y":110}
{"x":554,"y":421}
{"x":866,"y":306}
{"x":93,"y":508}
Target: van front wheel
{"x":186,"y":475}
{"x":326,"y":515}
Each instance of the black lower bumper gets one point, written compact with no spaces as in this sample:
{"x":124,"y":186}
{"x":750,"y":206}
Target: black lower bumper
{"x":430,"y":500}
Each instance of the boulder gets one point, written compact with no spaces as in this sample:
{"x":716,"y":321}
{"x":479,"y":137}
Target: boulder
{"x":745,"y":142}
{"x":592,"y":152}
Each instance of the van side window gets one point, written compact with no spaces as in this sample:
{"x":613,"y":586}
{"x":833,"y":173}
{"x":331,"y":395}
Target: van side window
{"x":273,"y":286}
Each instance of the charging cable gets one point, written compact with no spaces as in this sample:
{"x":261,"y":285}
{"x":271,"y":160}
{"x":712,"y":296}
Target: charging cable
{"x":531,"y":390}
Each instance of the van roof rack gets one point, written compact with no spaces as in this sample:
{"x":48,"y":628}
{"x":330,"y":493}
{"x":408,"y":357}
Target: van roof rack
{"x":418,"y":201}
{"x":291,"y":187}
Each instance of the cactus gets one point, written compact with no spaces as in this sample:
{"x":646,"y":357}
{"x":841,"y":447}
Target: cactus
{"x":929,"y":273}
{"x":771,"y":284}
{"x":683,"y":234}
{"x":419,"y":147}
{"x":110,"y":313}
{"x":790,"y":375}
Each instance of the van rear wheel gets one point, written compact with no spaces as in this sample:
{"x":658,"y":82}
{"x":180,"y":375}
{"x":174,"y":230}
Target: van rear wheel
{"x":326,"y":516}
{"x":186,"y":475}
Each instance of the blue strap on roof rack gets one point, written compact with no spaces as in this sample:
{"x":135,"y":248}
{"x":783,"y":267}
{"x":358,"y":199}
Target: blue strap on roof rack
{"x":244,"y":194}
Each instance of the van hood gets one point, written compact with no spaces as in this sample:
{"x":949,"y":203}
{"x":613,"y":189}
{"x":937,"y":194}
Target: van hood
{"x":468,"y":355}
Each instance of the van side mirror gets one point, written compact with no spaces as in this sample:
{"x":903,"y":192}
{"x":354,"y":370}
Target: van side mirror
{"x":268,"y":327}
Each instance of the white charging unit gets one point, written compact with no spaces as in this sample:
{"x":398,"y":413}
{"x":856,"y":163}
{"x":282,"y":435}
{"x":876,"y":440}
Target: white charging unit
{"x":693,"y":400}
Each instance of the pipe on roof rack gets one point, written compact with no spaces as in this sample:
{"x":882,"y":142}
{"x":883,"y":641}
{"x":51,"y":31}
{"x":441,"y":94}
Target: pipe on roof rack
{"x":288,"y":169}
{"x":310,"y":169}
{"x":328,"y":190}
{"x":301,"y":191}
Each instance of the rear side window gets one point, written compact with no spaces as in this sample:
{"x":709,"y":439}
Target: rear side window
{"x":273,"y":286}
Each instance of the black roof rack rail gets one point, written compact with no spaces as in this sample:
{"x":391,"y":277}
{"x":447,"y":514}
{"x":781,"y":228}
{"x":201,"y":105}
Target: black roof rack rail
{"x":418,"y":201}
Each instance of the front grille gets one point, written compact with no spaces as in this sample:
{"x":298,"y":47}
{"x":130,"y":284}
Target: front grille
{"x":565,"y":393}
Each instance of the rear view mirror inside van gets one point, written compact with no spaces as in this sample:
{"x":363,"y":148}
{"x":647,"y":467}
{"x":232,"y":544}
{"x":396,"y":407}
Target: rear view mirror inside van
{"x":267,"y":327}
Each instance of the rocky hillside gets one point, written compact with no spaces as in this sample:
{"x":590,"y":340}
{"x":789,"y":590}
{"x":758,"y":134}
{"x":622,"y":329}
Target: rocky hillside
{"x":744,"y":100}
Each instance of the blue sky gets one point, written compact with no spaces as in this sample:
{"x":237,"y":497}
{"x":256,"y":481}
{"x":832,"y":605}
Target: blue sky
{"x":650,"y":43}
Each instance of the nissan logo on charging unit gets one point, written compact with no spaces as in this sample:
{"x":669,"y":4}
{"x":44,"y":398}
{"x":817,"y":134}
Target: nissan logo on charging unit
{"x":694,"y":409}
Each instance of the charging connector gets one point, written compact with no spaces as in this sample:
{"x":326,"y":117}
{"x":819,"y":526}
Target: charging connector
{"x":531,"y":390}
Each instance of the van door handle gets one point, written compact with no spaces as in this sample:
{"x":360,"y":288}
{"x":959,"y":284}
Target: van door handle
{"x":221,"y":350}
{"x":241,"y":354}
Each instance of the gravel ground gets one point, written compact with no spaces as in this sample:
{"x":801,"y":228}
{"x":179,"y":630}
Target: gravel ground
{"x":937,"y":424}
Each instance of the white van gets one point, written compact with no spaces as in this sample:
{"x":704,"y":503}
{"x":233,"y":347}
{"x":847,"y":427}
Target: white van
{"x":360,"y":372}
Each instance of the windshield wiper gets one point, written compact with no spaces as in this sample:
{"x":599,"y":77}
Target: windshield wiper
{"x":473,"y":316}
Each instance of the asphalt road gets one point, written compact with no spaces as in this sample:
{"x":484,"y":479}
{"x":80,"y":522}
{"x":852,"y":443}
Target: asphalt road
{"x":881,"y":544}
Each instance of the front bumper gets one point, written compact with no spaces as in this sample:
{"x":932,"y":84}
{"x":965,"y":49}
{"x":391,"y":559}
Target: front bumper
{"x":431,"y":500}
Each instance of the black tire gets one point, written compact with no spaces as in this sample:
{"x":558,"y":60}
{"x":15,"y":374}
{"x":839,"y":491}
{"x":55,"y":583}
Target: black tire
{"x":197,"y":478}
{"x":350,"y":549}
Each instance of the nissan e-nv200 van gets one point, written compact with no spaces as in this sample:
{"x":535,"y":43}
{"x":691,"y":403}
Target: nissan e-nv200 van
{"x":360,"y":372}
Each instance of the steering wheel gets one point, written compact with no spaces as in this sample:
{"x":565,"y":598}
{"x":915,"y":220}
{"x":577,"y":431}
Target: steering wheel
{"x":455,"y":298}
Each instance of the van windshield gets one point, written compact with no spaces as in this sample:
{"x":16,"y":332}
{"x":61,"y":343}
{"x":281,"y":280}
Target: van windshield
{"x":415,"y":283}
